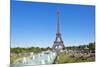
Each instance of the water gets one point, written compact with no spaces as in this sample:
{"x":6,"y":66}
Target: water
{"x":46,"y":57}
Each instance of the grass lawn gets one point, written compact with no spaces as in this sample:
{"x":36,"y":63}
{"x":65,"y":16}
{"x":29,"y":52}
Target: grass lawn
{"x":77,"y":57}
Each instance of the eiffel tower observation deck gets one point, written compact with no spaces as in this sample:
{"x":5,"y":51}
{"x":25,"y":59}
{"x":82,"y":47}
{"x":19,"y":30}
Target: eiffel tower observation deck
{"x":58,"y":43}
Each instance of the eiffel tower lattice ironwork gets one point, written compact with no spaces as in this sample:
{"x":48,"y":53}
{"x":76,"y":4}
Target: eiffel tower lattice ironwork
{"x":58,"y":43}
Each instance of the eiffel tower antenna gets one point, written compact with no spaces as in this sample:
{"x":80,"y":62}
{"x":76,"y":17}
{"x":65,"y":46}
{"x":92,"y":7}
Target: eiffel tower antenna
{"x":58,"y":25}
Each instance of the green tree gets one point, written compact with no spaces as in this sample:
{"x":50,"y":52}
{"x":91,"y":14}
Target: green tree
{"x":91,"y":46}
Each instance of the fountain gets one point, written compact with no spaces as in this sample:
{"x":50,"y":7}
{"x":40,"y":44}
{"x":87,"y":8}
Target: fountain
{"x":49,"y":58}
{"x":33,"y":57}
{"x":24,"y":60}
{"x":42,"y":61}
{"x":38,"y":59}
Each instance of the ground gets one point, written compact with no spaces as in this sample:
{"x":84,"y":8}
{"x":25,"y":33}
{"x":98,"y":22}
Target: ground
{"x":67,"y":58}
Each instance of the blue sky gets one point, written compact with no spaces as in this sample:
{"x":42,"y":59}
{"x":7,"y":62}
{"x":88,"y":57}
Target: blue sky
{"x":34,"y":24}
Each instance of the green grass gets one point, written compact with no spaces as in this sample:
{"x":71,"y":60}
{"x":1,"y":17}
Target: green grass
{"x":14,"y":58}
{"x":77,"y":57}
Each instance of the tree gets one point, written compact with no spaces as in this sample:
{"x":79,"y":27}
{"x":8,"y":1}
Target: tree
{"x":92,"y":46}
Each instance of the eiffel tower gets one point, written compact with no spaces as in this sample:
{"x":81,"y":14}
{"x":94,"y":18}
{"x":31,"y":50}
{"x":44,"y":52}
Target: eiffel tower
{"x":58,"y":43}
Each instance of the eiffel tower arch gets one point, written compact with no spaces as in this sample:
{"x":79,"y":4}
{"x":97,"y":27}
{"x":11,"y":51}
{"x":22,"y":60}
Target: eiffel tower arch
{"x":58,"y":43}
